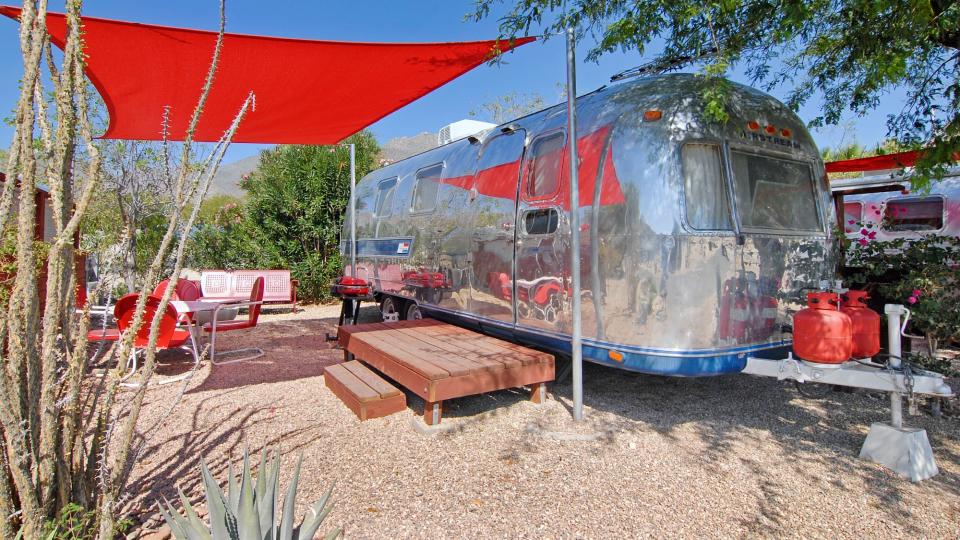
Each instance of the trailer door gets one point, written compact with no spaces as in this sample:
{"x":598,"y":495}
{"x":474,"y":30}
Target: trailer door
{"x":493,"y":211}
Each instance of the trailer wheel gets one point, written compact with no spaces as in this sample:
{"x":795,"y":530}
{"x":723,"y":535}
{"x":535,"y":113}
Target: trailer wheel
{"x":412,"y":312}
{"x":388,"y":307}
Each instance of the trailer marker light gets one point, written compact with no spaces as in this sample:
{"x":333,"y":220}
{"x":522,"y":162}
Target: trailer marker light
{"x":652,"y":115}
{"x":786,"y":133}
{"x":615,"y":356}
{"x":753,"y":125}
{"x":771,"y":129}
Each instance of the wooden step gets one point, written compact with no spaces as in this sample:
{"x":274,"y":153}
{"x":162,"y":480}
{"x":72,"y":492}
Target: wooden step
{"x":363,"y":391}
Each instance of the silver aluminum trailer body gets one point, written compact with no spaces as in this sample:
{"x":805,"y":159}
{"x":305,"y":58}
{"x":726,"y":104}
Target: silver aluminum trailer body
{"x":697,"y":238}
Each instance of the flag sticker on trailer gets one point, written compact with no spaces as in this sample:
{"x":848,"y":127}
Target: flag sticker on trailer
{"x":381,"y":247}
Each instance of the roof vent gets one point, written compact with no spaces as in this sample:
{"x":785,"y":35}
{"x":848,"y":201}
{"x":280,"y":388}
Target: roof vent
{"x":459,"y":130}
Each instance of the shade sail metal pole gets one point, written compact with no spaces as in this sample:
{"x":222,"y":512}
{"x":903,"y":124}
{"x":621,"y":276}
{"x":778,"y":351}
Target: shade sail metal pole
{"x":353,"y":210}
{"x":576,"y":345}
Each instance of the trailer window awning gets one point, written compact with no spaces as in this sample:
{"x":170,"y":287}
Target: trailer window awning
{"x":307,"y":92}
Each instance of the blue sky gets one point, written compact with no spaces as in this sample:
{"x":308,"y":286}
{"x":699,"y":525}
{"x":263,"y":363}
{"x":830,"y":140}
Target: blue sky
{"x":534,"y":68}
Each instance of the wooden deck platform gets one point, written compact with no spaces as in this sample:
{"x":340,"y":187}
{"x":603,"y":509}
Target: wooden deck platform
{"x":438,"y":361}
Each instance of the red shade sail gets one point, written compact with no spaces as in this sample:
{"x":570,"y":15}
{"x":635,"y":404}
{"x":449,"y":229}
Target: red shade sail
{"x":877,"y":163}
{"x":307,"y":92}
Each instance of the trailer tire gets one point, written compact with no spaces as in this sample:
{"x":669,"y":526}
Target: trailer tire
{"x":412,"y":311}
{"x":388,"y":305}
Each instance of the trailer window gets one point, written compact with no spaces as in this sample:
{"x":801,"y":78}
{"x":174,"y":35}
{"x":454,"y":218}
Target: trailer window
{"x":852,"y":216}
{"x":541,"y":221}
{"x":426,"y":188}
{"x":774,"y":194}
{"x":923,"y":214}
{"x":385,"y":197}
{"x":544,"y":166}
{"x":705,"y":193}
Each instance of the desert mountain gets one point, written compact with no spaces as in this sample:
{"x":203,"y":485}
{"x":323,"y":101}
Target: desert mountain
{"x":227,"y":180}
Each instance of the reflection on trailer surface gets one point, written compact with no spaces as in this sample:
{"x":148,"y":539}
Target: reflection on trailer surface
{"x":891,"y":210}
{"x":697,"y":238}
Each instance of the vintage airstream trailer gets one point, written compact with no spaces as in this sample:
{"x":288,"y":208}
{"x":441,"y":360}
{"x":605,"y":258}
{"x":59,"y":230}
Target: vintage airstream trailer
{"x":881,"y":206}
{"x":698,"y":238}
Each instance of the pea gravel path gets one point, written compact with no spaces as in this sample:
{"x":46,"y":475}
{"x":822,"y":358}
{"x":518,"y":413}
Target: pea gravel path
{"x":721,"y":457}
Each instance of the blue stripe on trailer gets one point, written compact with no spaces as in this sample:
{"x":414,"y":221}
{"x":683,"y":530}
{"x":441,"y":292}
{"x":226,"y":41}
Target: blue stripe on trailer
{"x":675,"y":363}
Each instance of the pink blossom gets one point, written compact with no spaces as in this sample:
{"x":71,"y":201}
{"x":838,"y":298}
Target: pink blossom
{"x":916,"y":292}
{"x":864,"y":232}
{"x":872,"y":235}
{"x":862,"y":241}
{"x":851,"y":222}
{"x":912,"y":299}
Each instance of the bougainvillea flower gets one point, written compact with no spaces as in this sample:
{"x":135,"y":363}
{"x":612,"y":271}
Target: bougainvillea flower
{"x":864,"y":232}
{"x":862,"y":241}
{"x":912,"y":299}
{"x":872,"y":235}
{"x":916,"y":292}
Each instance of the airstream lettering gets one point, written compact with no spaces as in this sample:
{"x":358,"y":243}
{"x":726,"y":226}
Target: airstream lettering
{"x":697,"y":238}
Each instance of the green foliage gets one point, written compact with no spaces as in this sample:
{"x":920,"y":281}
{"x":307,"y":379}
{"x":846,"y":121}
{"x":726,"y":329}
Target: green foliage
{"x":291,"y":216}
{"x":249,"y":509}
{"x":8,"y":261}
{"x":76,"y":523}
{"x":852,"y":53}
{"x":212,"y":205}
{"x":922,"y":274}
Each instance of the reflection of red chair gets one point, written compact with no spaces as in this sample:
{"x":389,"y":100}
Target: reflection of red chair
{"x":215,"y":326}
{"x":168,"y":336}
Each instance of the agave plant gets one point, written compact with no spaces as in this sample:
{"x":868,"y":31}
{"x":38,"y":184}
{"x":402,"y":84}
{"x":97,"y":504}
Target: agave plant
{"x":249,"y":509}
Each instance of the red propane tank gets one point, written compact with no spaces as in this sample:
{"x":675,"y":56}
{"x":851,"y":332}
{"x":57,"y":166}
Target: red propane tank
{"x":822,"y":333}
{"x":866,"y":324}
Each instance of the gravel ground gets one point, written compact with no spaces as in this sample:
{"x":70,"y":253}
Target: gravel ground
{"x":735,"y":456}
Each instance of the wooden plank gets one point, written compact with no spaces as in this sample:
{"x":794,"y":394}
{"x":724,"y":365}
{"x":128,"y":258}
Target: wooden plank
{"x":412,"y":356}
{"x":476,"y":344}
{"x":384,"y":363}
{"x":407,"y":339}
{"x":350,"y":382}
{"x":489,"y":344}
{"x":481,"y":343}
{"x":476,"y":359}
{"x":371,"y":379}
{"x":480,"y":382}
{"x":342,"y":393}
{"x":384,"y":407}
{"x":378,"y":335}
{"x":364,"y":410}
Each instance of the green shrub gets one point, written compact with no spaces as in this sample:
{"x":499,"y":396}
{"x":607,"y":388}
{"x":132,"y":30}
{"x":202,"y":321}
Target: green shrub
{"x":77,"y":523}
{"x":922,"y":274}
{"x":290,"y":217}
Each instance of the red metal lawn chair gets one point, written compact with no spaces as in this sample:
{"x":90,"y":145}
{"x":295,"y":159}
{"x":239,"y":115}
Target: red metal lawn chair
{"x":215,"y":326}
{"x":169,"y":337}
